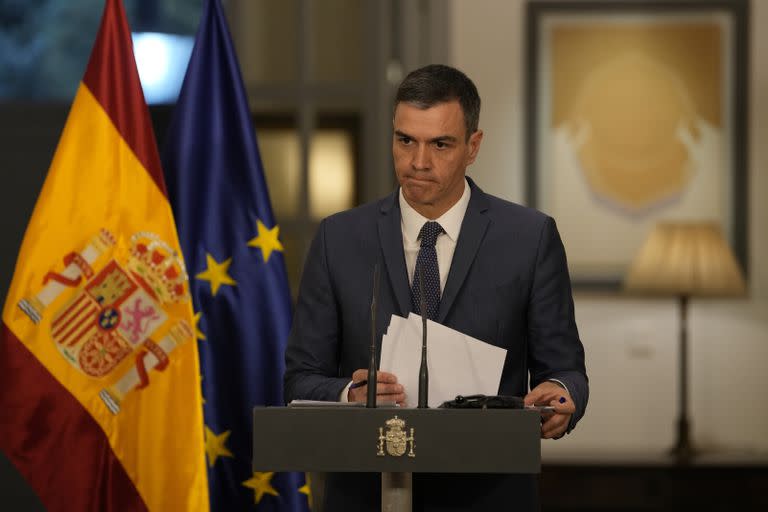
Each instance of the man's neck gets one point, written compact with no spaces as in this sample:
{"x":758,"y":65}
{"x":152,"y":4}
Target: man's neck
{"x":431,"y":211}
{"x":428,"y":211}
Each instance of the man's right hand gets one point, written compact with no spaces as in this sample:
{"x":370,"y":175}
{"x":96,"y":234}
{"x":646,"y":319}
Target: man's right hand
{"x":387,"y":388}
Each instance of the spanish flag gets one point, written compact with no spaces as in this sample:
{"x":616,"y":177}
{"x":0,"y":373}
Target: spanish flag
{"x":100,"y":406}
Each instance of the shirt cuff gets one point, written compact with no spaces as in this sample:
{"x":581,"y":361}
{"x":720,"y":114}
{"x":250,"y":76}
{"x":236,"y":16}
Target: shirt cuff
{"x":562,"y":385}
{"x":344,"y":396}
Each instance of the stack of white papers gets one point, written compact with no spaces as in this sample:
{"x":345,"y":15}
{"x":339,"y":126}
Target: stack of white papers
{"x":458,"y":364}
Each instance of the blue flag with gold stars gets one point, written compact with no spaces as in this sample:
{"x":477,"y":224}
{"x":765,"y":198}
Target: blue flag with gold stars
{"x":236,"y":269}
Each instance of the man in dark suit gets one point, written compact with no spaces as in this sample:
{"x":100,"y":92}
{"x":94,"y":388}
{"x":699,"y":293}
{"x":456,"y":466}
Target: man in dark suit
{"x":494,"y":270}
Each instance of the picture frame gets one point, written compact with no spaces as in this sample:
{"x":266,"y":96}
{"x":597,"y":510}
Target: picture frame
{"x":636,"y":113}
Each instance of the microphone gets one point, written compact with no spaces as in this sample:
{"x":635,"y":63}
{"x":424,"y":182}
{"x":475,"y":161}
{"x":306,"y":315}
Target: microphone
{"x":371,"y":401}
{"x":423,"y":370}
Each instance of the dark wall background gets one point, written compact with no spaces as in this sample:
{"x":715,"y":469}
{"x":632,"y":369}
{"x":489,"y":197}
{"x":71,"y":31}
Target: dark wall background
{"x":28,"y":137}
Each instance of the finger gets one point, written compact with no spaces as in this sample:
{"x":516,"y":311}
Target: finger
{"x":397,"y":398}
{"x":361,"y":395}
{"x":389,"y":389}
{"x":545,"y":396}
{"x":386,"y":377}
{"x":362,"y":374}
{"x":554,"y":426}
{"x":554,"y":433}
{"x":563,"y":406}
{"x":532,"y":397}
{"x":541,"y":395}
{"x":384,"y":392}
{"x":554,"y":422}
{"x":358,"y":394}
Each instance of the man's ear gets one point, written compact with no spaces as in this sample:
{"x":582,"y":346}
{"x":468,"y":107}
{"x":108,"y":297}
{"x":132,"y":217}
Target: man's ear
{"x":474,"y":145}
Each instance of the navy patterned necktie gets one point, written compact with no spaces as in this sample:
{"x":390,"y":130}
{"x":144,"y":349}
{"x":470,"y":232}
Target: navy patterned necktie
{"x":427,"y":260}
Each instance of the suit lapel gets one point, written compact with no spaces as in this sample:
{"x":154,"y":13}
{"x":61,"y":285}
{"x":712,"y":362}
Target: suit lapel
{"x":473,"y":229}
{"x":391,"y":240}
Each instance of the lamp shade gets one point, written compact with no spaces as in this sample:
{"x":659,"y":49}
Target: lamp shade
{"x":686,"y":258}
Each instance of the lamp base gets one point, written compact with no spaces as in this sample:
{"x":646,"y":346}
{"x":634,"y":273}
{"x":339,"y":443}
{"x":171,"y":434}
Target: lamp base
{"x":683,"y":450}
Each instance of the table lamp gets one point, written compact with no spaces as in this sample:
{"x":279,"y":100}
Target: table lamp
{"x":683,"y":260}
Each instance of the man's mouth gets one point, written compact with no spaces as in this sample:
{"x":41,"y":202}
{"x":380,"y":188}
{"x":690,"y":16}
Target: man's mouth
{"x":418,"y":179}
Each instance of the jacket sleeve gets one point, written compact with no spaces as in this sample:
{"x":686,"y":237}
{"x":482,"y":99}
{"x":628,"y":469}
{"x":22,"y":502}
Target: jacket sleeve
{"x":555,"y":350}
{"x":312,"y":354}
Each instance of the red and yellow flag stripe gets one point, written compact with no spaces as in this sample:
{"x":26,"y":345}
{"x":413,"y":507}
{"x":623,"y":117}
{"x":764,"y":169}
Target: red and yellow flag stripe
{"x":116,"y":426}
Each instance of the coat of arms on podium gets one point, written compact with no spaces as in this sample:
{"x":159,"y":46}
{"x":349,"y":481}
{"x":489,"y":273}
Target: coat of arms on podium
{"x":394,"y":437}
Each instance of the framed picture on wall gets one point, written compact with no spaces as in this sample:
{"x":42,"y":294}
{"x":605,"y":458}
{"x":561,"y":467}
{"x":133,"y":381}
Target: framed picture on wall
{"x":636,"y":113}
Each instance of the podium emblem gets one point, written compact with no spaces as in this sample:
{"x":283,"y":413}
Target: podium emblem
{"x":393,"y":436}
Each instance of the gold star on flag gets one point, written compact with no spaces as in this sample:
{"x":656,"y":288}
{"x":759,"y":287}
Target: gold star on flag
{"x":198,"y":332}
{"x":216,"y":273}
{"x":261,"y":483}
{"x":214,"y":445}
{"x":267,"y":240}
{"x":307,"y":489}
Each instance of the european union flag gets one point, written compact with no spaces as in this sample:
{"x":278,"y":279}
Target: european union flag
{"x":236,"y":268}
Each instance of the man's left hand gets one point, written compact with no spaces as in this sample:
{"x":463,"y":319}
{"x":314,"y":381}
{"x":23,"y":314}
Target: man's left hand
{"x":551,"y":393}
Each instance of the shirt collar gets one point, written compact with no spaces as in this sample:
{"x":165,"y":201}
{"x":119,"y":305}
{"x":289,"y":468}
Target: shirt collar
{"x":412,"y":221}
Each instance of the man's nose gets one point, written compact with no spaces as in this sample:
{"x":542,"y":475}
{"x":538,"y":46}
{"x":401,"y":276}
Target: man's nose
{"x":421,"y":158}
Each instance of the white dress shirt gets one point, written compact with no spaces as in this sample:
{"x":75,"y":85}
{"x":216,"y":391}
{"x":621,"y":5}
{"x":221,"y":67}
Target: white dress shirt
{"x":411,"y":223}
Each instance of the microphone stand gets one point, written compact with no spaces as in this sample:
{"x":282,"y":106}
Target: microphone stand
{"x":423,"y":370}
{"x":371,"y":401}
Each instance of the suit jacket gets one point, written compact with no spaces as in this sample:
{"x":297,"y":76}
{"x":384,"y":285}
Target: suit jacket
{"x":508,"y":285}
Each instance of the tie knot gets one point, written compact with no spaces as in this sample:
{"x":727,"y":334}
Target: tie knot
{"x":429,"y":233}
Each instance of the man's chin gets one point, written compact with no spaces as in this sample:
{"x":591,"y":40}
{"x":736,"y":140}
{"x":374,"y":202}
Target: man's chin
{"x":417,"y":194}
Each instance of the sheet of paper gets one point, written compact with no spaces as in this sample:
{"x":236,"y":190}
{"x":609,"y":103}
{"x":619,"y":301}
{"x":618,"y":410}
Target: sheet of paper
{"x":323,"y":403}
{"x":458,"y":364}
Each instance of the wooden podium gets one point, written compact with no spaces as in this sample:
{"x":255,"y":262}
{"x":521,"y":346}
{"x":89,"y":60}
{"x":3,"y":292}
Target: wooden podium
{"x":396,"y":442}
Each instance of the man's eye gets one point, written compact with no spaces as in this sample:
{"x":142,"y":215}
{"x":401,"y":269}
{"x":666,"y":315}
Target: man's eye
{"x":405,"y":140}
{"x":440,"y":144}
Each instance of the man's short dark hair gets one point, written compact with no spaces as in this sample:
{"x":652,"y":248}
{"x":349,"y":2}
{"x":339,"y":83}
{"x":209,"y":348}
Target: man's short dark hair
{"x":436,"y":83}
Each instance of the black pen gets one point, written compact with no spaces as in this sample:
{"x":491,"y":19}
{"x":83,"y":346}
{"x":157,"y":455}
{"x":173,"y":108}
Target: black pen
{"x":358,"y":384}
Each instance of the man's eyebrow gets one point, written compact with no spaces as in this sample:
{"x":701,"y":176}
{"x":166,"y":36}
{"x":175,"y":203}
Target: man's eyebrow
{"x":444,"y":138}
{"x":440,"y":138}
